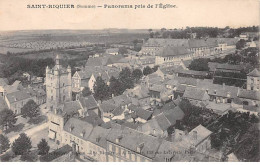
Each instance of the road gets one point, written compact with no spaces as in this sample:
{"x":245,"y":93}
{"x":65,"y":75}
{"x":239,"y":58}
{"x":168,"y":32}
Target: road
{"x":30,"y":132}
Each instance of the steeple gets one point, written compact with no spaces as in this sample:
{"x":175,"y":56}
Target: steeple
{"x":57,"y":61}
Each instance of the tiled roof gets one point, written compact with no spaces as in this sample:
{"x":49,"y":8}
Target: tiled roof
{"x":254,"y":95}
{"x":193,"y":72}
{"x":201,"y":132}
{"x":194,"y":93}
{"x":78,"y":128}
{"x":162,"y":121}
{"x":107,"y":107}
{"x":18,"y":96}
{"x":89,"y":102}
{"x":195,"y":43}
{"x":174,"y":115}
{"x":118,"y":111}
{"x":254,"y":73}
{"x":143,"y":114}
{"x":159,"y":42}
{"x":174,"y":51}
{"x":71,"y":107}
{"x":98,"y":136}
{"x":132,"y":139}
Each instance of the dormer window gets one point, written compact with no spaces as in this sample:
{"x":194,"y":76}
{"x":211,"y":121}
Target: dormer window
{"x":82,"y":133}
{"x":140,"y":147}
{"x":98,"y":139}
{"x":118,"y":139}
{"x":71,"y":128}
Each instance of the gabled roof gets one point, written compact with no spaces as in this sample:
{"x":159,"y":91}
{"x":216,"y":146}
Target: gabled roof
{"x":71,"y":107}
{"x":107,"y":107}
{"x":78,"y":128}
{"x":174,"y":51}
{"x":88,"y":102}
{"x":254,"y":73}
{"x":194,"y":93}
{"x":143,"y":114}
{"x":98,"y":136}
{"x":132,"y":139}
{"x":195,"y":43}
{"x":201,"y":132}
{"x":253,"y":95}
{"x":18,"y":96}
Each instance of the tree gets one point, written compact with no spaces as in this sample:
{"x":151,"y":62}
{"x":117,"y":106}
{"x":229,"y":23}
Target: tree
{"x":126,"y":79}
{"x":200,"y":64}
{"x":43,"y":147}
{"x":115,"y":86}
{"x":22,"y":144}
{"x":4,"y":143}
{"x":30,"y":109}
{"x":137,"y":74}
{"x":101,"y":89}
{"x":7,"y":119}
{"x":147,"y":70}
{"x":240,"y":44}
{"x":122,"y":50}
{"x":86,"y":92}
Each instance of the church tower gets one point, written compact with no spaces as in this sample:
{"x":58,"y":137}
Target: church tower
{"x":58,"y":85}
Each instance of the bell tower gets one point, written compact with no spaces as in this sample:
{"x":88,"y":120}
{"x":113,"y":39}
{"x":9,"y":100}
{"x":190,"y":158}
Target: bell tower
{"x":58,"y":85}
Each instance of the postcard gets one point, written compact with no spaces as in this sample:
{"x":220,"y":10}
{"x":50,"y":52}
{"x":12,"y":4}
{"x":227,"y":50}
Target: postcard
{"x":129,"y":81}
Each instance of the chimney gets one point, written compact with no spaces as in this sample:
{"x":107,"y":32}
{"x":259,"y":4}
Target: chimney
{"x":55,"y":111}
{"x":113,"y":95}
{"x":194,"y":135}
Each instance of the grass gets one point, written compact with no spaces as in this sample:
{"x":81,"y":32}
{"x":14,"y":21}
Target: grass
{"x":17,"y":128}
{"x":37,"y":120}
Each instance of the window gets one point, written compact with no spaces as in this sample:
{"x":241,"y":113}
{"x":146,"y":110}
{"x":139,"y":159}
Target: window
{"x":117,"y":150}
{"x":110,"y":147}
{"x":138,"y":158}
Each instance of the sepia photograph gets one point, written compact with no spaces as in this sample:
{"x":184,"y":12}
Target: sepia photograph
{"x":129,"y":81}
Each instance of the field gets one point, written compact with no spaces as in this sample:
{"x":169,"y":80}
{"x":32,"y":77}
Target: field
{"x":21,"y":42}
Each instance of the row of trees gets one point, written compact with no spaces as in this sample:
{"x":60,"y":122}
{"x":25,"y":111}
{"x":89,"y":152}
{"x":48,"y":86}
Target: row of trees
{"x":201,"y":32}
{"x":126,"y":80}
{"x":22,"y":146}
{"x":8,"y":118}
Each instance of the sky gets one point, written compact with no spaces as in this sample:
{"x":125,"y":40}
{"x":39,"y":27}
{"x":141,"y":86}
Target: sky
{"x":14,"y":14}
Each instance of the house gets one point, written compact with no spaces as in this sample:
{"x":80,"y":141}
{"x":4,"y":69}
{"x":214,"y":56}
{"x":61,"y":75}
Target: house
{"x":3,"y":83}
{"x":217,"y":67}
{"x":253,"y":80}
{"x":249,"y":97}
{"x":196,"y":94}
{"x":112,"y":51}
{"x":218,"y":108}
{"x":219,"y":93}
{"x":171,"y":54}
{"x":125,"y":144}
{"x":159,"y":94}
{"x":161,"y":124}
{"x":185,"y":146}
{"x":139,"y":95}
{"x":16,"y":86}
{"x":154,"y":46}
{"x":16,"y":100}
{"x":97,"y":145}
{"x":73,"y":133}
{"x":192,"y":73}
